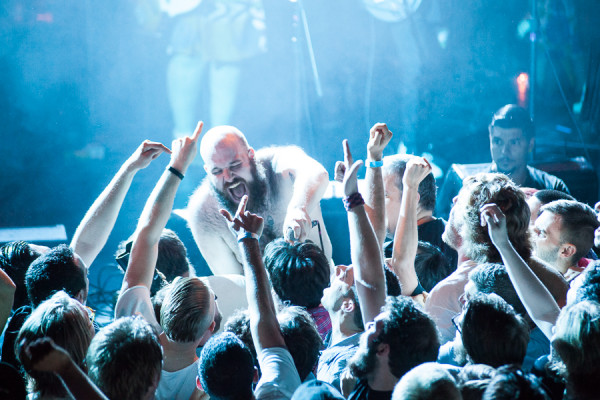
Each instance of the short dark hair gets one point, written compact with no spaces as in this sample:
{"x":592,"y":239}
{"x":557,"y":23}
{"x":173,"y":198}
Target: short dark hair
{"x":392,"y":283}
{"x":15,"y":259}
{"x":493,"y":278}
{"x":512,"y":116}
{"x":226,"y":368}
{"x":410,"y":334}
{"x":485,"y":188}
{"x":431,"y":265}
{"x":578,"y":221}
{"x":125,"y":358}
{"x":299,"y":272}
{"x":298,"y":330}
{"x":511,"y":383}
{"x":56,"y":270}
{"x":172,"y":258}
{"x":546,"y":196}
{"x":301,"y":338}
{"x":493,"y":333}
{"x":396,"y":165}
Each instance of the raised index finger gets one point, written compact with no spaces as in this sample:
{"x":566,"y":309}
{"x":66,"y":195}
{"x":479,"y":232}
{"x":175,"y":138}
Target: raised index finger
{"x":198,"y":130}
{"x":242,"y":207}
{"x":347,"y":155}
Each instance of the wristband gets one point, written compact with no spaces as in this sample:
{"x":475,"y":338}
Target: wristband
{"x":418,"y":290}
{"x":352,"y":201}
{"x":375,"y":164}
{"x":247,"y":235}
{"x":175,"y":172}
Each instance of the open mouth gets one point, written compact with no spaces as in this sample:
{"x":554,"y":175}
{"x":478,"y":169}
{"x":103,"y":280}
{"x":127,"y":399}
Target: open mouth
{"x":237,"y":190}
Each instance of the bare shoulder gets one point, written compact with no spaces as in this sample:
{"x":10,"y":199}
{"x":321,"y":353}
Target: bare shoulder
{"x":203,"y":212}
{"x":281,"y":157}
{"x":551,"y":278}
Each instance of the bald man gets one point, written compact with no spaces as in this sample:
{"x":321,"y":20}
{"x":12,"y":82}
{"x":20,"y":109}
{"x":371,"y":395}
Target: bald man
{"x":283,"y":184}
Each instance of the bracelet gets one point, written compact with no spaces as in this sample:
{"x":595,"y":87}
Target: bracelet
{"x":247,"y":235}
{"x":175,"y":172}
{"x":375,"y":164}
{"x":354,"y":200}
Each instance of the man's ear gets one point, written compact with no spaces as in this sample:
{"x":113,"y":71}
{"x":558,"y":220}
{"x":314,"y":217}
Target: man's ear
{"x":567,"y":250}
{"x":348,"y":306}
{"x":383,"y":349}
{"x":251,"y":153}
{"x":207,"y":334}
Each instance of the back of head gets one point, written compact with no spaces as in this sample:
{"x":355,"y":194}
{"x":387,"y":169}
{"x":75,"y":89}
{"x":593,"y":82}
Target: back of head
{"x":54,"y":271}
{"x":485,"y":188}
{"x":431,"y":265}
{"x":239,"y":325}
{"x":578,"y":223}
{"x":511,"y":383}
{"x":473,"y":379}
{"x":493,"y":278}
{"x":299,"y":272}
{"x":590,"y":284}
{"x":396,"y":165}
{"x":187,"y":310}
{"x":125,"y":359}
{"x":66,"y":322}
{"x":301,"y":338}
{"x":226,"y":368}
{"x":15,"y":258}
{"x":317,"y":390}
{"x":172,"y":258}
{"x":576,"y":338}
{"x":429,"y":381}
{"x":546,"y":196}
{"x":410,"y":333}
{"x":512,"y":116}
{"x":493,"y":333}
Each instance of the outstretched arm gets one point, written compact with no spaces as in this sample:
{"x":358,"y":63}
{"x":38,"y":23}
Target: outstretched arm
{"x":263,"y":319}
{"x":310,"y":182}
{"x":7,"y":297}
{"x":155,"y":215}
{"x":369,"y":277}
{"x":379,"y":137}
{"x":406,"y":237}
{"x":536,"y":298}
{"x":44,"y":355}
{"x":95,"y":227}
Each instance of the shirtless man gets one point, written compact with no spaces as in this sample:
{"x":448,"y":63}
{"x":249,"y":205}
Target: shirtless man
{"x":284,"y":185}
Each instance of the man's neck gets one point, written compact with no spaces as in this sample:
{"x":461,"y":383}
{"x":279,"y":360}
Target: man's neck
{"x":518,"y":175}
{"x":382,"y":379}
{"x":424,"y":217}
{"x":177,"y":355}
{"x":341,"y":330}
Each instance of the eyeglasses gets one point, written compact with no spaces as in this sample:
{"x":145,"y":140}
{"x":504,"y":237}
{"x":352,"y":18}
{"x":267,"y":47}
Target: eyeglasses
{"x":91,"y":313}
{"x":457,"y":322}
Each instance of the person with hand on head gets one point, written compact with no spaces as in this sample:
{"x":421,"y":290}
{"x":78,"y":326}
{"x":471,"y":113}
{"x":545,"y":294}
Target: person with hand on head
{"x":187,"y":316}
{"x":279,"y":377}
{"x":43,"y":355}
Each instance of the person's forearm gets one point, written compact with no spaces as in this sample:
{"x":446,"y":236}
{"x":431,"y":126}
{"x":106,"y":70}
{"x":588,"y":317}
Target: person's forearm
{"x":375,"y":202}
{"x":7,"y":297}
{"x":263,"y":318}
{"x":406,"y":240}
{"x":536,"y":298}
{"x":97,"y":224}
{"x":368,"y":264}
{"x":78,"y":383}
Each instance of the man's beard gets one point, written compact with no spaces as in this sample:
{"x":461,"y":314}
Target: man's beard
{"x":362,"y":364}
{"x":257,"y":192}
{"x":451,"y":235}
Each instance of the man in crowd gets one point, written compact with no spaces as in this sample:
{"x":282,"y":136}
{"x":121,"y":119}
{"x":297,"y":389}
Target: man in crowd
{"x":564,"y":234}
{"x":283,"y":184}
{"x":512,"y":138}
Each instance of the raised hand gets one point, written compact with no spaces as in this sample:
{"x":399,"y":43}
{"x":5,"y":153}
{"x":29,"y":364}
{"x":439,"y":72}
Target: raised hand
{"x":379,"y":138}
{"x":495,"y":220}
{"x":43,"y":355}
{"x":416,"y":170}
{"x":145,"y":153}
{"x":297,"y":224}
{"x":347,"y":171}
{"x":243,"y":221}
{"x":184,"y":149}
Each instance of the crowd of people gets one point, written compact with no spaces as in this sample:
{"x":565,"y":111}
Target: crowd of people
{"x":501,"y":301}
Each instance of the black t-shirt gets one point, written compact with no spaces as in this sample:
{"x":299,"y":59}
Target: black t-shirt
{"x":364,"y":392}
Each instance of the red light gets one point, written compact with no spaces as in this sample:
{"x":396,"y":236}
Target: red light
{"x":522,"y":87}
